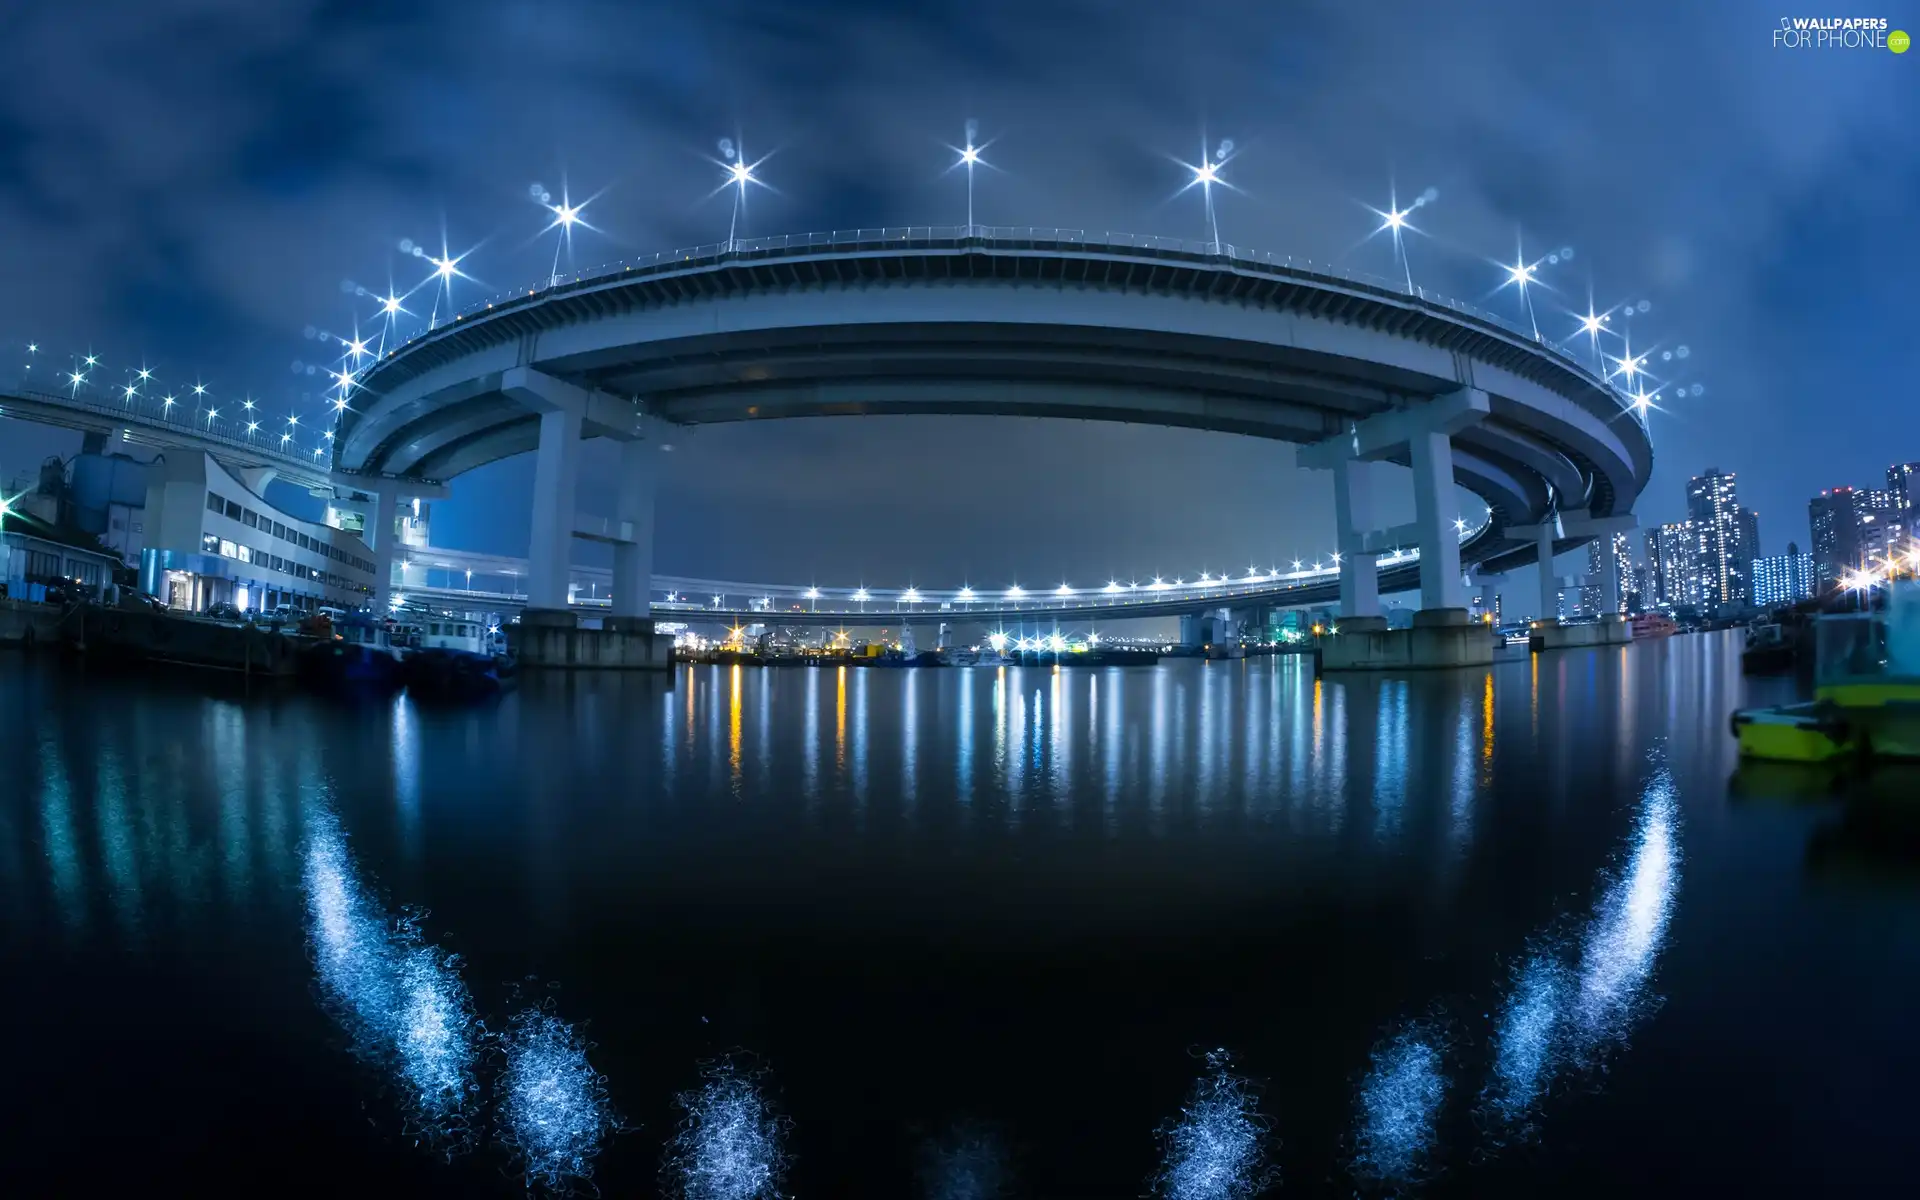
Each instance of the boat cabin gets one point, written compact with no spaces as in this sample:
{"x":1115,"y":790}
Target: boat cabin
{"x":454,"y":633}
{"x":363,"y":632}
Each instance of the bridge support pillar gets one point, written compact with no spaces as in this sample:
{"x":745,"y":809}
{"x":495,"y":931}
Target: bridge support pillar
{"x":1441,"y":585}
{"x":1576,"y":524}
{"x":1353,"y":519}
{"x":633,"y":516}
{"x":378,"y":500}
{"x":555,"y":473}
{"x":1424,"y":434}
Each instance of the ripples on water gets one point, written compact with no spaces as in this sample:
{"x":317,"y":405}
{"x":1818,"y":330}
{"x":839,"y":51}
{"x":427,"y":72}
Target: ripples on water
{"x":401,"y":1000}
{"x":730,"y":1143}
{"x":554,"y":1111}
{"x":1216,"y":1149}
{"x":1399,"y":1105}
{"x":1175,"y":758}
{"x":1574,"y":998}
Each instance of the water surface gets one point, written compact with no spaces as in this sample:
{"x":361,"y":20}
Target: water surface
{"x":1196,"y":930}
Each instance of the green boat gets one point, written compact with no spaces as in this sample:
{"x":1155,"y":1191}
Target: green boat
{"x":1866,"y":690}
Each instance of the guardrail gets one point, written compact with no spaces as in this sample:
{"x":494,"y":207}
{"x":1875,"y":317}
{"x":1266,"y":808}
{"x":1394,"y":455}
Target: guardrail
{"x":131,"y":415}
{"x":996,"y":238}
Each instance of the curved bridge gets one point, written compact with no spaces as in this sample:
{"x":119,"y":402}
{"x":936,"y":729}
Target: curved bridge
{"x":1008,"y":322}
{"x":437,"y":578}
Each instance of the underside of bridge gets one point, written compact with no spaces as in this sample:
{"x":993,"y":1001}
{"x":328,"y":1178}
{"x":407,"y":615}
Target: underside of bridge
{"x":1358,"y":374}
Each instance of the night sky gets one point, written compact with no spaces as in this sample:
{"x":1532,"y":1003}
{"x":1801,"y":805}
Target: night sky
{"x":191,"y":183}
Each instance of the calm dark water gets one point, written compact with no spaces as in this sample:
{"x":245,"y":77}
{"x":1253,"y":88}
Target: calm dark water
{"x":953,"y":934}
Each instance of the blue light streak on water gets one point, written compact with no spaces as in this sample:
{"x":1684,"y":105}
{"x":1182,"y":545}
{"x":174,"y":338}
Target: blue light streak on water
{"x":1527,"y":1040}
{"x":730,"y":1145}
{"x":1629,"y":926}
{"x":401,"y":1000}
{"x":1399,"y":1101}
{"x":554,"y":1111}
{"x":1216,"y":1149}
{"x":1570,"y":1003}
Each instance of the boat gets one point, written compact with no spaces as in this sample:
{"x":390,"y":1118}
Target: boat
{"x":1646,"y":625}
{"x":453,"y":660}
{"x":969,"y":657}
{"x":1809,"y":733}
{"x":357,"y":657}
{"x":1866,"y":690}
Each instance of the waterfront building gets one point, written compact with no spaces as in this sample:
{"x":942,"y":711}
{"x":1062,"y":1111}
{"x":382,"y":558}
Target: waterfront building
{"x":1782,"y":578}
{"x":211,"y":539}
{"x":34,"y":555}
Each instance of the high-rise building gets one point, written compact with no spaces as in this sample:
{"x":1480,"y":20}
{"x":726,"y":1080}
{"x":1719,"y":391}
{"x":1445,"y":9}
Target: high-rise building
{"x":1883,"y":522}
{"x":1744,"y":551}
{"x":1670,"y":560}
{"x":1836,"y":537}
{"x":1713,"y":509}
{"x":1782,"y":578}
{"x":1607,"y":555}
{"x":1641,"y":596}
{"x":1853,"y":527}
{"x":1903,"y":480}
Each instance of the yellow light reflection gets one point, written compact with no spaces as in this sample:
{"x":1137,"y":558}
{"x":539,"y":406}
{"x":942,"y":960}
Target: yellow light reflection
{"x":733,"y":726}
{"x":840,"y":719}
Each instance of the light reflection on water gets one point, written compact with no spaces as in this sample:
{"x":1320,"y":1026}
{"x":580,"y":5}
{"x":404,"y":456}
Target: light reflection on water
{"x":401,"y":1000}
{"x":1399,"y":1104}
{"x":554,"y":1113}
{"x":1216,"y":1148}
{"x":1359,"y":787}
{"x":731,"y":1144}
{"x":1572,"y":1000}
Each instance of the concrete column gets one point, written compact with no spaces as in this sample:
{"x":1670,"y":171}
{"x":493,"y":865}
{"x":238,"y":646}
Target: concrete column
{"x":384,"y":560}
{"x":1610,"y":568}
{"x":1434,"y":512}
{"x":1353,"y":519}
{"x":633,"y":516}
{"x":1549,"y":583}
{"x":550,"y":554}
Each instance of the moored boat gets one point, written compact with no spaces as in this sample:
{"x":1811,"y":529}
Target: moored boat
{"x":1809,"y":733}
{"x":1866,"y":690}
{"x":358,"y":657}
{"x":453,"y":661}
{"x":1646,"y":625}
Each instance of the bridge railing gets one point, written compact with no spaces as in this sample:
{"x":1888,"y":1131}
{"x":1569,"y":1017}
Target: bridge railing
{"x":998,"y":238}
{"x":692,"y":596}
{"x":134,"y":414}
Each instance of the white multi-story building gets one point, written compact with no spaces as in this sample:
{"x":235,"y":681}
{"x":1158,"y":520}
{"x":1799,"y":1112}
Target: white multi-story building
{"x":1782,"y":578}
{"x":211,"y":539}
